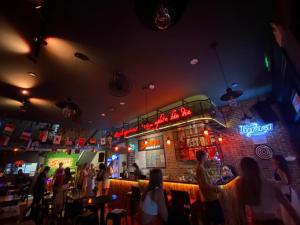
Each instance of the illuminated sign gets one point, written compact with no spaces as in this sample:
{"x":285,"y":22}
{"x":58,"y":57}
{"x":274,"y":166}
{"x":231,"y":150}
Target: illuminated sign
{"x":174,"y":115}
{"x":151,"y":143}
{"x":54,"y":162}
{"x":253,"y":129}
{"x":125,"y":133}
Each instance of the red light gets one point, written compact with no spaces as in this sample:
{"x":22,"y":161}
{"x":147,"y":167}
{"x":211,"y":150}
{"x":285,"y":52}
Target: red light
{"x":220,"y":139}
{"x":129,"y":148}
{"x":205,"y":132}
{"x":116,"y":148}
{"x":146,"y":142}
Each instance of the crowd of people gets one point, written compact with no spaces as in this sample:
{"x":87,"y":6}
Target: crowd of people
{"x":266,"y":202}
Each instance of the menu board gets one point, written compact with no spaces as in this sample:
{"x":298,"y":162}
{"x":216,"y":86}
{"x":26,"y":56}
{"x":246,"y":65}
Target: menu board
{"x":151,"y":159}
{"x":155,"y":159}
{"x":151,"y":143}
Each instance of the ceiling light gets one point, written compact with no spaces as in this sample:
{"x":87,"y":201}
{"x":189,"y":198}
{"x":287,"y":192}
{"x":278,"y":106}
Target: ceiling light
{"x":151,"y":86}
{"x":194,"y":61}
{"x":234,"y":85}
{"x":38,"y":6}
{"x":116,"y":148}
{"x":220,"y":139}
{"x":122,"y":103}
{"x":24,"y":92}
{"x":146,"y":142}
{"x":205,"y":132}
{"x":103,"y":114}
{"x":32,"y":74}
{"x":16,"y":149}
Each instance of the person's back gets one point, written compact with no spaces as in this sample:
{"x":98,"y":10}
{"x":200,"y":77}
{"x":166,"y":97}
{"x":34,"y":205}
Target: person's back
{"x":153,"y":205}
{"x":269,"y":206}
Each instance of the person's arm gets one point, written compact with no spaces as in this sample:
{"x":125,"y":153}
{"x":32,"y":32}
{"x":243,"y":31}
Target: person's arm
{"x":161,"y":204}
{"x":283,"y":177}
{"x":203,"y":184}
{"x":287,"y":205}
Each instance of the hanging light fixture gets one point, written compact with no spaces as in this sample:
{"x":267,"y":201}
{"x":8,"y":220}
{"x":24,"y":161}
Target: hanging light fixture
{"x":220,"y":139}
{"x":205,"y":132}
{"x":116,"y":148}
{"x":146,"y":142}
{"x":230,"y":95}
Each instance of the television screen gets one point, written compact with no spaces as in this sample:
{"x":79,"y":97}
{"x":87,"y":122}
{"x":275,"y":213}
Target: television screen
{"x":296,"y":102}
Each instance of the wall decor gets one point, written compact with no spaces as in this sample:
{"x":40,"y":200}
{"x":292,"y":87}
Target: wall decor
{"x":264,"y":152}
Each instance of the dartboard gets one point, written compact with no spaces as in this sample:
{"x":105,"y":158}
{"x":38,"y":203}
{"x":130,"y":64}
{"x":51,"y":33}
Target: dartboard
{"x":264,"y":152}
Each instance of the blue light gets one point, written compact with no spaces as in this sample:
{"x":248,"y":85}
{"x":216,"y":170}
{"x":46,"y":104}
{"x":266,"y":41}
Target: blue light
{"x":114,"y":157}
{"x":253,"y":129}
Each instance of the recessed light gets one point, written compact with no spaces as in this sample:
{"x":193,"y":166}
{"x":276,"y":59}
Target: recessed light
{"x":122,"y":103}
{"x":38,"y":6}
{"x":151,"y":86}
{"x":24,"y":92}
{"x":194,"y":61}
{"x":32,"y":74}
{"x":103,"y":114}
{"x":16,"y":149}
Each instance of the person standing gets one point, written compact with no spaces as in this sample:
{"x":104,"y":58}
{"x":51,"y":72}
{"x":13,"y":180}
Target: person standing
{"x":137,"y":172}
{"x":59,"y":176}
{"x":263,"y":199}
{"x":60,"y":196}
{"x":100,"y":179}
{"x":208,"y":191}
{"x":153,"y":204}
{"x":282,"y":174}
{"x":84,"y":178}
{"x":90,"y":180}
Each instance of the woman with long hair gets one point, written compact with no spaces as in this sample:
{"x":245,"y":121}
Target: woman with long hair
{"x":60,"y":197}
{"x":261,"y":197}
{"x":153,"y":205}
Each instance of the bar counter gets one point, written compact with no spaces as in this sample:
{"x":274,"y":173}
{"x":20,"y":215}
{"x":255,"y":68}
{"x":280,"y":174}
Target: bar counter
{"x":228,"y":197}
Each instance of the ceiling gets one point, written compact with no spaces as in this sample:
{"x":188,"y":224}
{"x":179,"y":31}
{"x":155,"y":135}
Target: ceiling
{"x":114,"y":39}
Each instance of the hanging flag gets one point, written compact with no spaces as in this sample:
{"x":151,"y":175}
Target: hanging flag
{"x":102,"y":141}
{"x":4,"y":140}
{"x":25,"y":135}
{"x":56,"y":139}
{"x":81,"y":141}
{"x":9,"y":129}
{"x":68,"y":141}
{"x":43,"y":136}
{"x":93,"y":141}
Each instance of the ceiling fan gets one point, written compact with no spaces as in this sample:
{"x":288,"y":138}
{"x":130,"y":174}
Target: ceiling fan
{"x":230,"y":95}
{"x":160,"y":15}
{"x":12,"y":97}
{"x":69,"y":109}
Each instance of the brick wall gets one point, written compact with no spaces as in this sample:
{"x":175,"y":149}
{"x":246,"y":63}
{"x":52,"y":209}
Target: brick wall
{"x":236,"y":146}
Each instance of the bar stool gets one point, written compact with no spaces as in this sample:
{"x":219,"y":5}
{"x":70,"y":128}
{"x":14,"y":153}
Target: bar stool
{"x":116,"y":215}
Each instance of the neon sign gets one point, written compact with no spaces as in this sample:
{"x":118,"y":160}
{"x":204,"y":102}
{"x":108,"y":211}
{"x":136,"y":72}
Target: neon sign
{"x":253,"y":129}
{"x":174,"y":115}
{"x":124,"y":133}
